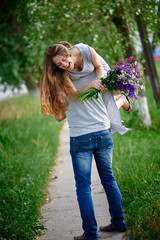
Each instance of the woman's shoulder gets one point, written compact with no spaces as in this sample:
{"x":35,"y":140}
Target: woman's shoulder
{"x":75,"y":50}
{"x":85,"y":50}
{"x":81,"y":47}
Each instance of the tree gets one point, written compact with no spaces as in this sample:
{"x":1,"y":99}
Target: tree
{"x":147,"y":18}
{"x":148,"y":53}
{"x":15,"y":63}
{"x":120,"y":18}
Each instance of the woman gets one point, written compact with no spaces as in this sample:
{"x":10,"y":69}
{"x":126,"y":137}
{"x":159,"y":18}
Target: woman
{"x":89,"y":124}
{"x":120,"y":99}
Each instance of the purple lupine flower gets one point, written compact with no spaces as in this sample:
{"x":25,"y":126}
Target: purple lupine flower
{"x":125,"y":77}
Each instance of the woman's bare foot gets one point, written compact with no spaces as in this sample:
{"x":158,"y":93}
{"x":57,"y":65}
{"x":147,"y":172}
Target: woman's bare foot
{"x":122,"y":101}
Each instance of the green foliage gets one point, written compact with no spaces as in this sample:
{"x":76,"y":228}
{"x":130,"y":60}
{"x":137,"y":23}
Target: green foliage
{"x":29,"y":27}
{"x":13,"y":61}
{"x":28,"y":144}
{"x":137,"y":170}
{"x":150,"y":12}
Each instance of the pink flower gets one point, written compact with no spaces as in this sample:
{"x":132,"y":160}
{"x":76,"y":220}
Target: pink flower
{"x":130,"y":59}
{"x":121,"y":76}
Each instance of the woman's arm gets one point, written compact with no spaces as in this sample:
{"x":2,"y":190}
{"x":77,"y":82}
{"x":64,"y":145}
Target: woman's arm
{"x":72,"y":91}
{"x":95,"y":84}
{"x":97,"y":64}
{"x":99,"y":69}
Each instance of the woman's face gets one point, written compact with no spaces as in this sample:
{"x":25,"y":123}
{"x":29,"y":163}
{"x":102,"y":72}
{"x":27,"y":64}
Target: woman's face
{"x":63,"y":62}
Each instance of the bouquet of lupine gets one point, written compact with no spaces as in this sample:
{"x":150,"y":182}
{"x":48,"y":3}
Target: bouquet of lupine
{"x":125,"y":78}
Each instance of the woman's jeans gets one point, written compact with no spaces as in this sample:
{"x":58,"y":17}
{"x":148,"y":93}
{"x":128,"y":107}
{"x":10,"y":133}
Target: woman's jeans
{"x":82,"y":148}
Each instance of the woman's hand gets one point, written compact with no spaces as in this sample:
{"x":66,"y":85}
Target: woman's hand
{"x":98,"y":85}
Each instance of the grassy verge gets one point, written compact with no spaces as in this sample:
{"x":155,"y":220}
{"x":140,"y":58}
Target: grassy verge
{"x":28,"y":144}
{"x":137,"y":170}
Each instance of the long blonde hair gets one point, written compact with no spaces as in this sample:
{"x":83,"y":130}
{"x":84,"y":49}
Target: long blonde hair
{"x":54,"y":85}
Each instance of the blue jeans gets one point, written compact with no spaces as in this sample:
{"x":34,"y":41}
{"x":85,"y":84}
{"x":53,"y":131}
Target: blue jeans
{"x":82,"y":149}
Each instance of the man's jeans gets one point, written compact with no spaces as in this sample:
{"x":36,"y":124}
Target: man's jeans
{"x":82,"y":148}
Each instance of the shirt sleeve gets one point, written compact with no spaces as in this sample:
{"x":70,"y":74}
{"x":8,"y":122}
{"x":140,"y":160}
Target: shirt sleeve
{"x":88,"y":55}
{"x":85,"y":51}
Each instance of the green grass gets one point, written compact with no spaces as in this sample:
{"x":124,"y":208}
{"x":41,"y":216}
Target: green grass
{"x":28,"y":144}
{"x":137,"y":170}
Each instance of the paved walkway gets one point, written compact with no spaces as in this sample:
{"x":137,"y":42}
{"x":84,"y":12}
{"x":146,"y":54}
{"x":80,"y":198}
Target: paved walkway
{"x":61,"y":214}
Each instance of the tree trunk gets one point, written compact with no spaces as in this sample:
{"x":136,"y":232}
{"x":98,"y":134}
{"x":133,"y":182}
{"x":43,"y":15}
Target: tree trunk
{"x":31,"y":85}
{"x":146,"y":71}
{"x":123,"y":27}
{"x":148,"y":54}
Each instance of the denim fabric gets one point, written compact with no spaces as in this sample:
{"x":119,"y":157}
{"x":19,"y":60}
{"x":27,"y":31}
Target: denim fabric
{"x":82,"y":148}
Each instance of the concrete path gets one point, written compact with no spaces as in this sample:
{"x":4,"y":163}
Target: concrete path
{"x":61,"y":214}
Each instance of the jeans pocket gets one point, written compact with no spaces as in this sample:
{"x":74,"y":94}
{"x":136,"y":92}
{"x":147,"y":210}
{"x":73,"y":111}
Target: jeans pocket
{"x":79,"y":144}
{"x":106,"y":141}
